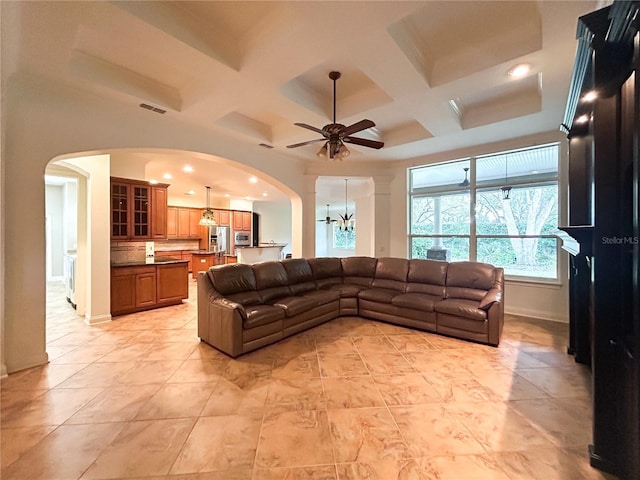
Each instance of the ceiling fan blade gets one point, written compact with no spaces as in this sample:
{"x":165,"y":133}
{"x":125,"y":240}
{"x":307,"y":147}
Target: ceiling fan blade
{"x":302,"y":144}
{"x":313,"y":129}
{"x":358,"y":127}
{"x":364,"y":142}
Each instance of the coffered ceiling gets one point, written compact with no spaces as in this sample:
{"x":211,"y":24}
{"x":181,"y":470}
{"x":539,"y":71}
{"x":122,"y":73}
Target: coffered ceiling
{"x":432,"y":75}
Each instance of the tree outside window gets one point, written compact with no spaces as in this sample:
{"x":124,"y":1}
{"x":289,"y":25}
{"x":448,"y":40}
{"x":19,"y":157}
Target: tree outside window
{"x":516,"y":234}
{"x":344,"y":238}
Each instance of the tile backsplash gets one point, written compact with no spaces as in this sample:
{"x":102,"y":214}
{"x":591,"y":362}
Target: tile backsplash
{"x":122,"y":252}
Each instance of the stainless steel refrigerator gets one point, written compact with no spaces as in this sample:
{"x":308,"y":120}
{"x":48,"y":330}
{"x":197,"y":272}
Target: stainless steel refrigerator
{"x":219,"y":239}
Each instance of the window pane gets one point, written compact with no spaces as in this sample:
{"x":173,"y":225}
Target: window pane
{"x":518,"y":165}
{"x":531,"y":257}
{"x":445,"y":174}
{"x":457,"y":248}
{"x":344,"y":239}
{"x":531,"y":210}
{"x":440,"y":214}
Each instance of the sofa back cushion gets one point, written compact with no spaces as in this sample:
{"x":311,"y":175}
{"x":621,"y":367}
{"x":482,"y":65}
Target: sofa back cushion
{"x":391,"y":273}
{"x":300,"y":275}
{"x":236,"y":282}
{"x":427,"y":276}
{"x":271,"y":281}
{"x":469,"y":280}
{"x":358,"y":270}
{"x":327,"y":271}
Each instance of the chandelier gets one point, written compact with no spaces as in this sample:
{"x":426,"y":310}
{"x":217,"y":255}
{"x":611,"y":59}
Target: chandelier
{"x":208,"y":219}
{"x":346,"y":222}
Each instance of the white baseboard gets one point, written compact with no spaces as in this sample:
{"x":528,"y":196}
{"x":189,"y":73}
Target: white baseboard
{"x":537,"y":314}
{"x":97,"y":319}
{"x":28,"y":363}
{"x":3,"y":371}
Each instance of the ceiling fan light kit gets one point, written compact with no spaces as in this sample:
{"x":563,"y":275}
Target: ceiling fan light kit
{"x":335,"y":135}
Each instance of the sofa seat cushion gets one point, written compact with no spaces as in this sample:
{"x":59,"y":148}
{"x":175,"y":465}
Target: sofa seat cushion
{"x":462,"y":308}
{"x":348,"y":290}
{"x":381,"y":295}
{"x":258,"y":315}
{"x":296,"y":305}
{"x":322,"y":297}
{"x":416,"y":301}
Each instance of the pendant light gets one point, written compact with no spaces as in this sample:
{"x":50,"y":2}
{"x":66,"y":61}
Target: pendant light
{"x":208,"y":219}
{"x":346,"y":222}
{"x":506,"y":189}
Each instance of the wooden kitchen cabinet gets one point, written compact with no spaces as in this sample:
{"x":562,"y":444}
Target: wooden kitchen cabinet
{"x":241,"y":221}
{"x":224,"y":218}
{"x":133,"y":211}
{"x":172,"y":222}
{"x":172,"y":283}
{"x":201,"y":263}
{"x":137,"y":288}
{"x":184,"y":222}
{"x":195,"y":229}
{"x":132,"y":288}
{"x":145,"y":289}
{"x":158,"y":212}
{"x":246,"y":221}
{"x":184,"y":219}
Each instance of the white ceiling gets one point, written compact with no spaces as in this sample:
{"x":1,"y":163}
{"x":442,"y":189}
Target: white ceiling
{"x":431,"y":75}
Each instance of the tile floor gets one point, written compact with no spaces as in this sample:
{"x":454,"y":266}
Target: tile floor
{"x":141,"y":397}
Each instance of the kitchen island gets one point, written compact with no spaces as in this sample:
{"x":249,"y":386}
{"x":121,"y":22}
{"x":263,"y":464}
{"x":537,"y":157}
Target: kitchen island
{"x":148,"y":283}
{"x":262,"y":253}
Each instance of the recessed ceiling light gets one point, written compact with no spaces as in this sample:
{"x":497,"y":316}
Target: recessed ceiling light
{"x":253,"y":180}
{"x":265,"y":194}
{"x":534,"y":171}
{"x":247,"y":197}
{"x":187,"y":169}
{"x":582,"y":119}
{"x":590,"y":96}
{"x":227,"y":195}
{"x":190,"y":192}
{"x":168,"y":176}
{"x":153,"y":181}
{"x":519,"y":71}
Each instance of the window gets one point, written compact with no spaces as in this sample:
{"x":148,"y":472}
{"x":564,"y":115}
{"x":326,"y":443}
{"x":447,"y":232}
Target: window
{"x":344,"y":238}
{"x":457,"y":211}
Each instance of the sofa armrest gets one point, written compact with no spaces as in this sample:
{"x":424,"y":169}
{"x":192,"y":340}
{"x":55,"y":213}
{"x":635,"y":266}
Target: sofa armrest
{"x":220,"y":321}
{"x":492,"y":296}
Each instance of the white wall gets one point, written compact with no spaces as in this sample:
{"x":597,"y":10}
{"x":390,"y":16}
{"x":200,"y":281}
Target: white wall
{"x":275,"y":222}
{"x":54,"y":211}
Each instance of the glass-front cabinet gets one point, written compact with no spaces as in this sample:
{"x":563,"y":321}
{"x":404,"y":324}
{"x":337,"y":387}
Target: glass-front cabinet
{"x":131,"y":210}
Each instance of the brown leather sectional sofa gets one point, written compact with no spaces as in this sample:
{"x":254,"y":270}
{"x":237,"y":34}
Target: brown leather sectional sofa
{"x":245,"y":307}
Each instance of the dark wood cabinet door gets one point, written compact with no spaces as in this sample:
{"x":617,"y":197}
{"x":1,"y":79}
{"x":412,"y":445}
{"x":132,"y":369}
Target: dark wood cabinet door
{"x":172,"y":222}
{"x":145,"y":289}
{"x":119,"y":211}
{"x":141,"y":211}
{"x":123,"y":293}
{"x":173,"y":282}
{"x":159,"y":213}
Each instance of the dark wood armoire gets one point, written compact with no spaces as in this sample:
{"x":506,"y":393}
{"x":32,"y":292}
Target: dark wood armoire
{"x":604,"y":213}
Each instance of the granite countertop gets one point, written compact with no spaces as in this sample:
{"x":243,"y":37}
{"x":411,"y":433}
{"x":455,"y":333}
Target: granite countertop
{"x":153,"y":261}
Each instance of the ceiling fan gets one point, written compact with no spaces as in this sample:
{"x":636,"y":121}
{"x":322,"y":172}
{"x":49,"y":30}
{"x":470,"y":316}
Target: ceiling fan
{"x":328,"y":220}
{"x":335,"y":135}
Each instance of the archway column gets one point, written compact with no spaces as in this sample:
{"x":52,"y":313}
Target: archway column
{"x":309,"y":217}
{"x":381,"y":214}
